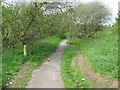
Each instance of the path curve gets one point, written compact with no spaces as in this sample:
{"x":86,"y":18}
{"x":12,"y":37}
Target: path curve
{"x":48,"y":75}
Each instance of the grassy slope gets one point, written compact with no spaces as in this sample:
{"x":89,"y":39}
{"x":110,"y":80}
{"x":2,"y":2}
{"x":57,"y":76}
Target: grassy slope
{"x":37,"y":52}
{"x":101,"y":52}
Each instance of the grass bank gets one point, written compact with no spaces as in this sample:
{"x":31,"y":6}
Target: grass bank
{"x":72,"y":75}
{"x":101,"y":52}
{"x":12,"y":59}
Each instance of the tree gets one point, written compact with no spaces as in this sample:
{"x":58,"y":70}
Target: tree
{"x":90,"y":18}
{"x":25,"y":23}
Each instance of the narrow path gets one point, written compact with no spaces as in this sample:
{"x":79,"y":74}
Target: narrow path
{"x":48,"y":75}
{"x":97,"y":79}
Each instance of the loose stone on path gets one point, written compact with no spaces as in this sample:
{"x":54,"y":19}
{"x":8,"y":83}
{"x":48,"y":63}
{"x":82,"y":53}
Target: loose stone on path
{"x":48,"y":75}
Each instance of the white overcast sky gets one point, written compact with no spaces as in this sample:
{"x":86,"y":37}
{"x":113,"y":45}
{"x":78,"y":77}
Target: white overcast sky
{"x":112,"y":4}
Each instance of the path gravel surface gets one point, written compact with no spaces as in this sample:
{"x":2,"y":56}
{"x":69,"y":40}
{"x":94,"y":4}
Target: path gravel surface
{"x":48,"y":75}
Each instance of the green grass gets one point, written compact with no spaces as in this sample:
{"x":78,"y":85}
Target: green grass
{"x":72,"y":80}
{"x":36,"y":53}
{"x":100,"y":51}
{"x":73,"y":41}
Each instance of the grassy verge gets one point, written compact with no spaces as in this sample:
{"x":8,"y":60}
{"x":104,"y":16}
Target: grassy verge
{"x":72,"y":75}
{"x":13,"y":58}
{"x":101,"y":53}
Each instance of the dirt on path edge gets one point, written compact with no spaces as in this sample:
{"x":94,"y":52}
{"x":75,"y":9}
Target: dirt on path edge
{"x":95,"y":78}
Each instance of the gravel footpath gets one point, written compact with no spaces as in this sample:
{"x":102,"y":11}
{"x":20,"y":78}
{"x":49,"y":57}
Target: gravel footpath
{"x":48,"y":75}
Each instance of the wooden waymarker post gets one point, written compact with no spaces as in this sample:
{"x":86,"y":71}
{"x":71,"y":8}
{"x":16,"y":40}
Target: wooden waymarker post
{"x":25,"y":51}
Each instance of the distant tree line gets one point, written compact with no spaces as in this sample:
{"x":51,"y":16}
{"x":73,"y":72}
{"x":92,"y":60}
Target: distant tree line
{"x":28,"y":22}
{"x":24,"y":23}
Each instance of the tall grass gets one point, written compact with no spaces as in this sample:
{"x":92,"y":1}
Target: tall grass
{"x":101,"y":51}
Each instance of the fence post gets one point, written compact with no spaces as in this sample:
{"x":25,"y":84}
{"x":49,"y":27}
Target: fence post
{"x":25,"y":51}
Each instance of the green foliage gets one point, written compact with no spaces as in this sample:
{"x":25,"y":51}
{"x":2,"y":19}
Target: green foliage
{"x":14,"y":57}
{"x":30,"y":23}
{"x":26,"y":23}
{"x":73,"y":41}
{"x":10,"y":64}
{"x":17,"y":29}
{"x":102,"y":53}
{"x":63,"y":36}
{"x":89,"y":18}
{"x":116,"y":26}
{"x":42,"y":49}
{"x":72,"y":75}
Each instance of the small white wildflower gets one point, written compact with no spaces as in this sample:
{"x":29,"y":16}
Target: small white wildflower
{"x":10,"y":82}
{"x":83,"y":79}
